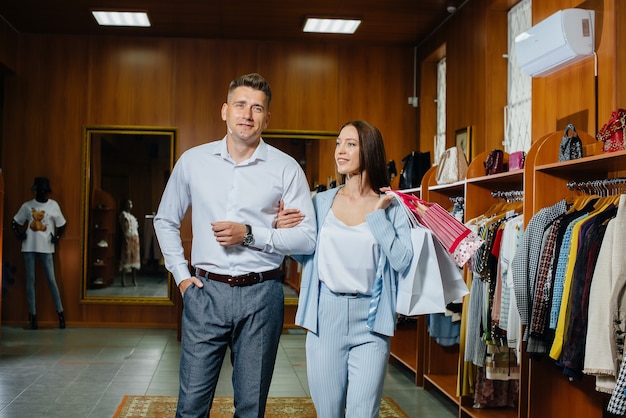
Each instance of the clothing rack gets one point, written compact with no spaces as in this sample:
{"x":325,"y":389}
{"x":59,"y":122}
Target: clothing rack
{"x":603,"y":187}
{"x":508,"y":195}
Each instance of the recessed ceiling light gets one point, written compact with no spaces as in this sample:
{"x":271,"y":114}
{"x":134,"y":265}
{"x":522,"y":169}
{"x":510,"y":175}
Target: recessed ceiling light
{"x":111,"y":18}
{"x":322,"y":25}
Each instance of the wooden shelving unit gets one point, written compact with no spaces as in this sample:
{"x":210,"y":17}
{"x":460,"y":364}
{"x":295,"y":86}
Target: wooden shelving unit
{"x":550,"y":392}
{"x":101,"y":263}
{"x":544,"y":390}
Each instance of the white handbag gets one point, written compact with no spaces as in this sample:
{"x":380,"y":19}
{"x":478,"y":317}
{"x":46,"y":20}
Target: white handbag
{"x":452,"y":166}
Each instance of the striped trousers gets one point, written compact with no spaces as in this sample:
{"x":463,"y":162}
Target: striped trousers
{"x":346,"y":363}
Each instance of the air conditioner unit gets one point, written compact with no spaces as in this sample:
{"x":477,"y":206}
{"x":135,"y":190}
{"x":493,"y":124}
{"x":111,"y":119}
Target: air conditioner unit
{"x":560,"y":40}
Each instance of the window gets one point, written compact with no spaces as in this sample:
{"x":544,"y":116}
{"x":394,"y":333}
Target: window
{"x":517,"y":114}
{"x":440,"y":137}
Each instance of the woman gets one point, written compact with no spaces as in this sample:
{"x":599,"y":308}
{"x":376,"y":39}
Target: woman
{"x":348,"y":288}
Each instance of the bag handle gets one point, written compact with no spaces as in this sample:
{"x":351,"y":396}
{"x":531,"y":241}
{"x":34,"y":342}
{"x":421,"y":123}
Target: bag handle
{"x":414,"y":203}
{"x":570,"y":127}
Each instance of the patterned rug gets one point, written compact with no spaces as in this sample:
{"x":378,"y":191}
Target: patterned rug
{"x":165,"y":406}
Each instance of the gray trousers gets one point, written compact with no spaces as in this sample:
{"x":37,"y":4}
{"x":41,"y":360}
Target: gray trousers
{"x":246,"y":319}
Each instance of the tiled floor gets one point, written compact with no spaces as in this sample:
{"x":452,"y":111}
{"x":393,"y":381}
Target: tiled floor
{"x":84,"y":372}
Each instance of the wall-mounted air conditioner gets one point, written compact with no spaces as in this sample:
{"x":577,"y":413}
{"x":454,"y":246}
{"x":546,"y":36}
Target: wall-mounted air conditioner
{"x":558,"y":41}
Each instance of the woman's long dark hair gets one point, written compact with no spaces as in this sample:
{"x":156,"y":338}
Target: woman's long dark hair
{"x":372,"y":156}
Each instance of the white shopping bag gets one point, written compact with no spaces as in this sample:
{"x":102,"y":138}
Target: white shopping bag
{"x":432,"y":280}
{"x":454,"y":287}
{"x":419,"y":290}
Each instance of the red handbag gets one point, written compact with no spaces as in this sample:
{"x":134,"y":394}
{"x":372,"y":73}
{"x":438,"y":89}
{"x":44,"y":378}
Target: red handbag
{"x":494,"y":163}
{"x":516,"y":160}
{"x":612,"y":133}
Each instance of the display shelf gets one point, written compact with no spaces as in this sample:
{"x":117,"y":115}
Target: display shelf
{"x":406,"y":346}
{"x":103,"y":222}
{"x":479,"y":198}
{"x":544,"y":390}
{"x":550,"y":392}
{"x":440,"y":362}
{"x":468,"y":411}
{"x":445,"y":383}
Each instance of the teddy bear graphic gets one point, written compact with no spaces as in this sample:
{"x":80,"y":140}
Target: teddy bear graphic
{"x":37,"y":224}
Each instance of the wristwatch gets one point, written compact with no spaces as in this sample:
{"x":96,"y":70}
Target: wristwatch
{"x":248,"y":239}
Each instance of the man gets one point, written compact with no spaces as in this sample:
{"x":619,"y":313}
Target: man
{"x":234,"y":297}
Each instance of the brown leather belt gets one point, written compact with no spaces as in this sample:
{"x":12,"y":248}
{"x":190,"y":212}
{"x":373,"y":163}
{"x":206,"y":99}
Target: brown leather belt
{"x":242,"y":280}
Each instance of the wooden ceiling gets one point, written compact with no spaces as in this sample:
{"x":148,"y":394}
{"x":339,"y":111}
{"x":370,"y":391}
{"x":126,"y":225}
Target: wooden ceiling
{"x":383,"y":21}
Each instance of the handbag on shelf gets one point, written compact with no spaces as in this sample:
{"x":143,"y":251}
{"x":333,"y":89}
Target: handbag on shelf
{"x":516,"y":160}
{"x":432,"y":280}
{"x":494,"y":163}
{"x":459,"y":241}
{"x":612,"y":133}
{"x":452,"y":166}
{"x":415,"y":165}
{"x":571,"y":147}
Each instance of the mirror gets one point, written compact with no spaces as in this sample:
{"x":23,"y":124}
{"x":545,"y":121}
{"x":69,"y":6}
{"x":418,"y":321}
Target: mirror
{"x":123,"y":164}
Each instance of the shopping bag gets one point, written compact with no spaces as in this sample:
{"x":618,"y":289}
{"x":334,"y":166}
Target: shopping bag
{"x":432,"y":280}
{"x":420,"y":290}
{"x":460,"y":241}
{"x":454,"y":287}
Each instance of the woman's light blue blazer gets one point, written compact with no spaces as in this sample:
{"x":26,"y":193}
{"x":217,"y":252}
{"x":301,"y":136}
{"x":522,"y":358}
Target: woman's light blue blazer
{"x":391,"y":230}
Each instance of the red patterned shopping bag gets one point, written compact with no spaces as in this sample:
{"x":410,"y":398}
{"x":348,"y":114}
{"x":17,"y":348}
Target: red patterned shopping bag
{"x":460,"y":241}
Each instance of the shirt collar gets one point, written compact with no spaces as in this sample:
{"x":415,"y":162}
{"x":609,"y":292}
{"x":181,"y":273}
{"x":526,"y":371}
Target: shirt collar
{"x":260,"y":153}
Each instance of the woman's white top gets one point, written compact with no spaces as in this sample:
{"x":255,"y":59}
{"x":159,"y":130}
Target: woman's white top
{"x":348,"y":256}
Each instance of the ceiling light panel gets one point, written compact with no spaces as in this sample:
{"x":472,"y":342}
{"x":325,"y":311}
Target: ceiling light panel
{"x":110,"y":18}
{"x":319,"y":25}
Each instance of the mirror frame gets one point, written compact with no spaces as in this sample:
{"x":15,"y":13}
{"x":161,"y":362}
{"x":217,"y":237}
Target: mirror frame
{"x":270,"y":134}
{"x":88,"y":133}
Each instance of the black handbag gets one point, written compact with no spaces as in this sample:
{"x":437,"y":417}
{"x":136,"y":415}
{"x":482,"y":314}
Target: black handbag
{"x":415,"y":165}
{"x":571,"y":147}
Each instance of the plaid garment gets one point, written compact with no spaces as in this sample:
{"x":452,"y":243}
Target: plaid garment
{"x":526,"y":259}
{"x":617,"y":404}
{"x":543,"y":287}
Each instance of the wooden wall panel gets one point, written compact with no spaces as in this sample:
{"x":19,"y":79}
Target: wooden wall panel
{"x":428,"y":102}
{"x":8,"y":47}
{"x":43,"y":118}
{"x":65,"y":83}
{"x":569,"y":95}
{"x":200,"y":85}
{"x":475,"y":76}
{"x":380,"y":95}
{"x":620,"y":65}
{"x":495,"y":78}
{"x":130,"y":82}
{"x":302,"y":84}
{"x":466,"y":70}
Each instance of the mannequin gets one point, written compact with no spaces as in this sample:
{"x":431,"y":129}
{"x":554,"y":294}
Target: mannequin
{"x":39,"y":224}
{"x":130,"y":257}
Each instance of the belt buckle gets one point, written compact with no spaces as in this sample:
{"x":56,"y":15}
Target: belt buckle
{"x":243,"y":279}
